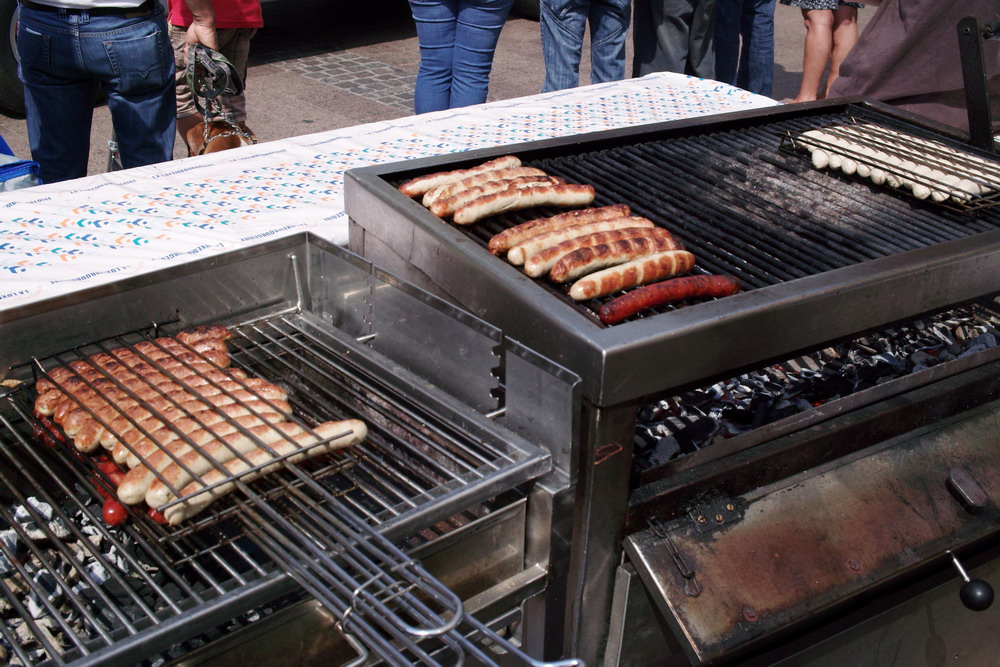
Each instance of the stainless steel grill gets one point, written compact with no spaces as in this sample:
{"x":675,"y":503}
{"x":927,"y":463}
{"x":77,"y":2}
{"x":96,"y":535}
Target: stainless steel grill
{"x":824,"y":258}
{"x":329,"y":524}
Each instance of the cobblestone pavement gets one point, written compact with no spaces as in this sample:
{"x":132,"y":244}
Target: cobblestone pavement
{"x":357,"y":75}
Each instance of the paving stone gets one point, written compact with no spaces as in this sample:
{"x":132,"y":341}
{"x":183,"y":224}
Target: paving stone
{"x":356,"y":74}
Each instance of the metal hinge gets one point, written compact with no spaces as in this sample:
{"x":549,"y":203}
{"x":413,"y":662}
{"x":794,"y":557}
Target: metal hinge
{"x":716,"y":513}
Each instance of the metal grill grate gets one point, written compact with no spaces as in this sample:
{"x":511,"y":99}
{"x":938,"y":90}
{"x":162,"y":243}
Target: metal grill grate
{"x":328,"y":522}
{"x":746,"y":208}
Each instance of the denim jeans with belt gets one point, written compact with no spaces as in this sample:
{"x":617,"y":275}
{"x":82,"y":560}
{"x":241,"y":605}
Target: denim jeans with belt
{"x":749,"y":66}
{"x":65,"y":56}
{"x":563,"y":23}
{"x":457,"y":39}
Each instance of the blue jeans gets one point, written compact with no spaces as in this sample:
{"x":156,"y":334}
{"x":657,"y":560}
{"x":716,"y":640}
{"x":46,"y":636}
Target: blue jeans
{"x":563,"y":23}
{"x":749,"y":66}
{"x":65,"y":57}
{"x":457,"y":39}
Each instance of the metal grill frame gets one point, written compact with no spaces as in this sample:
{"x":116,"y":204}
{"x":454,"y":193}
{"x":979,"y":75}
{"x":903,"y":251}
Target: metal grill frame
{"x":364,"y":311}
{"x":666,"y":352}
{"x":641,"y":357}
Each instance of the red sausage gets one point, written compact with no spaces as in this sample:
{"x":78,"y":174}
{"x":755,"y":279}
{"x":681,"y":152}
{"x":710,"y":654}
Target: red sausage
{"x":667,"y":291}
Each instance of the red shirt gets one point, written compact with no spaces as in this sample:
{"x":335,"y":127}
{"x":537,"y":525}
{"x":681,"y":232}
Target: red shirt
{"x":228,"y":13}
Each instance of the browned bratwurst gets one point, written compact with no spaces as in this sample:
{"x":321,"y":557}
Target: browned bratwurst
{"x":513,"y":199}
{"x":449,"y":189}
{"x":586,"y":260}
{"x":446,"y":206}
{"x":509,"y":238}
{"x":520,"y":253}
{"x":630,"y":274}
{"x":668,"y":291}
{"x":542,"y":262}
{"x":421,"y":184}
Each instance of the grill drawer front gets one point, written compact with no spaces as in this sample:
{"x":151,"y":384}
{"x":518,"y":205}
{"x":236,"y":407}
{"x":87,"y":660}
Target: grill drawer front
{"x":736,"y":571}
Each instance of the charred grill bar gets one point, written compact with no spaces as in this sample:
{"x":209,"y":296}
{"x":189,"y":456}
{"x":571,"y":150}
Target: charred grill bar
{"x":345,"y":340}
{"x":824,"y":258}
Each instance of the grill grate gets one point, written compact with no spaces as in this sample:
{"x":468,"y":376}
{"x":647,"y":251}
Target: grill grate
{"x":745,"y":207}
{"x":333,"y":516}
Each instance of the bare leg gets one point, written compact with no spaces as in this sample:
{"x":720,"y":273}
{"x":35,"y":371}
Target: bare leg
{"x":818,"y":46}
{"x":845,"y":34}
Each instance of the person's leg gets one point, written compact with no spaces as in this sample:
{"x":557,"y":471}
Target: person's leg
{"x":700,"y":54}
{"x":435,"y":21}
{"x":476,"y":36}
{"x":845,"y":34}
{"x":190,"y":125}
{"x":816,"y":55}
{"x":138,"y":77}
{"x":58,"y":98}
{"x":562,"y":24}
{"x":662,"y":36}
{"x":726,"y":40}
{"x":609,"y":23}
{"x":234,"y":44}
{"x":757,"y":61}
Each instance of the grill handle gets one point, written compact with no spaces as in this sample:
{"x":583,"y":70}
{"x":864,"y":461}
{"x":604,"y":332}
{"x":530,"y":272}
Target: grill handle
{"x":977,"y":101}
{"x":976,"y":594}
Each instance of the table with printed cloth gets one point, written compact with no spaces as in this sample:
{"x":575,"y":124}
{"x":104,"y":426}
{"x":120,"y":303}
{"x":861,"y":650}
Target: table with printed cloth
{"x":63,"y":237}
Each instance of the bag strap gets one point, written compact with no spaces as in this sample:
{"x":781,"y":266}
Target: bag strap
{"x":210,"y":74}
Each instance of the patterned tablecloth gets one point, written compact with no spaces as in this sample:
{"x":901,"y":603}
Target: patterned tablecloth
{"x":63,"y":237}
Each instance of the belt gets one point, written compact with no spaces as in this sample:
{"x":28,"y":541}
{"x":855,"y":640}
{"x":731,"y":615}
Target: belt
{"x":145,"y":8}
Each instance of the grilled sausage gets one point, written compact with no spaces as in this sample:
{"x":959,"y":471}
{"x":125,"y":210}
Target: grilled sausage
{"x":197,"y":497}
{"x":172,"y":435}
{"x":447,"y":206}
{"x":630,"y":274}
{"x":421,"y":184}
{"x":509,"y":238}
{"x":128,"y":435}
{"x":512,"y":199}
{"x":668,"y":291}
{"x":123,"y":428}
{"x":198,"y":462}
{"x":125,"y":391}
{"x":449,"y":189}
{"x":585,"y":260}
{"x":542,"y":262}
{"x":520,"y":253}
{"x":137,"y":481}
{"x":198,"y":332}
{"x":125,"y":361}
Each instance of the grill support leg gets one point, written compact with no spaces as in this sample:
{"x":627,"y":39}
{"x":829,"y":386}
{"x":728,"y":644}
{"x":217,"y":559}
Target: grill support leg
{"x":977,"y":101}
{"x":602,"y":494}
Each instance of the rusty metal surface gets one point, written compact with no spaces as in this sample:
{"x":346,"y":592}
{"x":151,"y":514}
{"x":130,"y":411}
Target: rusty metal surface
{"x":822,"y":538}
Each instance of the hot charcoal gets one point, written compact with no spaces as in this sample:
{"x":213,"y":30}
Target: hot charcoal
{"x":670,"y":428}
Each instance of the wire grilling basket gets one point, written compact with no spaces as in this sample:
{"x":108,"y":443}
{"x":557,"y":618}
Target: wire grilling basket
{"x":328,"y":523}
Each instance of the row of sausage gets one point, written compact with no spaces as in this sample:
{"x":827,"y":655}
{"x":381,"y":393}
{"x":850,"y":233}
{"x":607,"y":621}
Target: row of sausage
{"x":600,"y":250}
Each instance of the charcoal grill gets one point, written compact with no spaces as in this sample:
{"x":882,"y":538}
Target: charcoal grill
{"x":449,"y":461}
{"x":824,"y":257}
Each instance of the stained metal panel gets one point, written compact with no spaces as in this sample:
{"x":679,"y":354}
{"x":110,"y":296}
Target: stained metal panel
{"x":739,"y":570}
